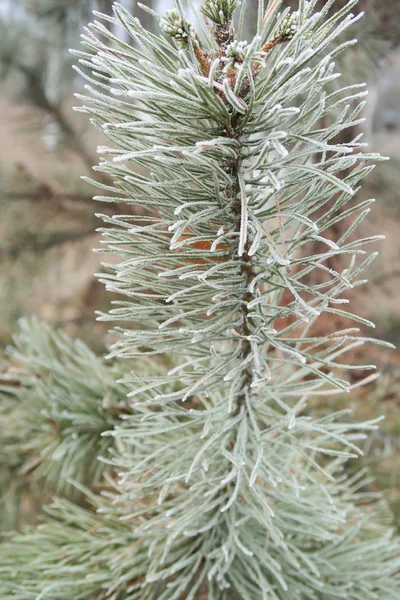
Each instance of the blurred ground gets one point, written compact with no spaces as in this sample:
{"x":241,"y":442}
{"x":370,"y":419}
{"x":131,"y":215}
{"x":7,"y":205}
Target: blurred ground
{"x":47,"y":225}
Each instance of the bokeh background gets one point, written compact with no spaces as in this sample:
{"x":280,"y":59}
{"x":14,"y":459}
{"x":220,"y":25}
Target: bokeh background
{"x":47,"y":217}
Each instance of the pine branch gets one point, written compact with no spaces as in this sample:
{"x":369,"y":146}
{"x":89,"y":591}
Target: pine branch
{"x":225,"y":485}
{"x":53,"y":436}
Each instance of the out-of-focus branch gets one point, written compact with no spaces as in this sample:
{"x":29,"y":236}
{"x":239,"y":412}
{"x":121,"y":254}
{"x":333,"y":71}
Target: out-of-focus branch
{"x":41,"y":195}
{"x":37,"y":245}
{"x":45,"y":194}
{"x":384,"y":276}
{"x":38,"y":94}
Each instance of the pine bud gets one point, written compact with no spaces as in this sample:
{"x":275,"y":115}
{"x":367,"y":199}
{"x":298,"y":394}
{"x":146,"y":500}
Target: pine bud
{"x":234,"y":54}
{"x":219,"y":11}
{"x":288,"y":27}
{"x":174,"y":26}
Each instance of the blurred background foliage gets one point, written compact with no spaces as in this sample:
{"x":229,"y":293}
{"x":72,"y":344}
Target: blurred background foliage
{"x":47,"y":217}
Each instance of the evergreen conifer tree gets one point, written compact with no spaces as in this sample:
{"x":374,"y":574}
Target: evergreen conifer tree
{"x":221,"y":485}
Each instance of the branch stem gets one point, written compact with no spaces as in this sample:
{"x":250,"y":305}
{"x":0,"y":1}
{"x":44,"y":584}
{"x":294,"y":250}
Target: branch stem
{"x":247,"y":270}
